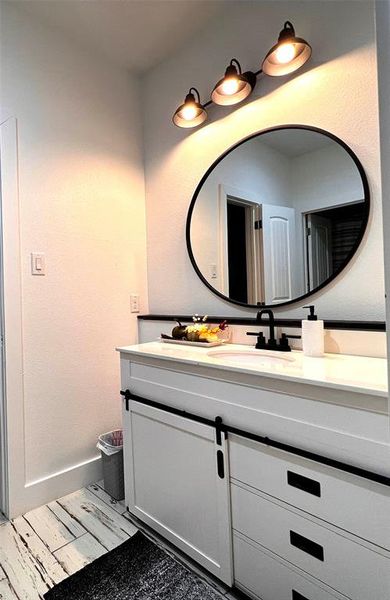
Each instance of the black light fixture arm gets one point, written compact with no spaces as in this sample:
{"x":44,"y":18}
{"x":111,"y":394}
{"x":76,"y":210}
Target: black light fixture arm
{"x":194,"y":91}
{"x":287,"y":31}
{"x":235,"y":62}
{"x":285,"y":57}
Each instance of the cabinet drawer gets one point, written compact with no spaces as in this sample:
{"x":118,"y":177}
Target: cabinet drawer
{"x":348,"y":501}
{"x":341,"y":563}
{"x":269,"y":579}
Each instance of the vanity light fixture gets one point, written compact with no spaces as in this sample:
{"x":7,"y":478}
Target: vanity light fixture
{"x":289,"y":54}
{"x":234,"y":85}
{"x":191,"y":113}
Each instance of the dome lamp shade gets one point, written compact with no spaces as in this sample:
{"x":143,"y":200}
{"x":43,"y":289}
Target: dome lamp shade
{"x":234,"y":86}
{"x":288,"y":55}
{"x":191,"y":113}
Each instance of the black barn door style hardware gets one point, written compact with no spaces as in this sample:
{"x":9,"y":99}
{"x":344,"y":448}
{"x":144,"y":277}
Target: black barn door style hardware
{"x":306,"y":545}
{"x":324,"y":460}
{"x":127,"y":396}
{"x":218,"y":430}
{"x":304,"y":483}
{"x":220,"y":464}
{"x":218,"y":440}
{"x":298,"y":596}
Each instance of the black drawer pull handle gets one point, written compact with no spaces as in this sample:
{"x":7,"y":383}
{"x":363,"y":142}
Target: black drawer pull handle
{"x":220,"y":465}
{"x":298,"y":596}
{"x":306,"y":545}
{"x":304,"y":483}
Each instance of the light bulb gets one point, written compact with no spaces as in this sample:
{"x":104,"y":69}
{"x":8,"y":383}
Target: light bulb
{"x":230,"y":86}
{"x":288,"y":55}
{"x":189,"y":112}
{"x":285,"y":53}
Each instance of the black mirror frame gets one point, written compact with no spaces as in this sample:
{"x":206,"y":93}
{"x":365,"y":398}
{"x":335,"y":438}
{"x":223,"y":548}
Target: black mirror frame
{"x":367,"y":203}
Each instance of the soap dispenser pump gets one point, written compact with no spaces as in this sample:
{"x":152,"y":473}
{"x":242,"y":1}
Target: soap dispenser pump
{"x":312,"y":334}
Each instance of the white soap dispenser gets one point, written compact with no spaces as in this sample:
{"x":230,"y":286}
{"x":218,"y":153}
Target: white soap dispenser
{"x":312,"y":334}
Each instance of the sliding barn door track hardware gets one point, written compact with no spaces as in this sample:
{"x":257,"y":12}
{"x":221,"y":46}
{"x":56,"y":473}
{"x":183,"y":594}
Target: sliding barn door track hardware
{"x":222,"y":427}
{"x":127,"y":396}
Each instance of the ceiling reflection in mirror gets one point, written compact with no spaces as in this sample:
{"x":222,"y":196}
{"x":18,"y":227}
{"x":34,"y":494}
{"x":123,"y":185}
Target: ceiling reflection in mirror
{"x":278,"y":216}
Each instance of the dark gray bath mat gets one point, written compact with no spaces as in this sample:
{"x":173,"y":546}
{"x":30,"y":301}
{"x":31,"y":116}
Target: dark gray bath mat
{"x":136,"y":570}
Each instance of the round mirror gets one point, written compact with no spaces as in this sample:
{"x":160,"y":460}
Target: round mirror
{"x":278,"y":216}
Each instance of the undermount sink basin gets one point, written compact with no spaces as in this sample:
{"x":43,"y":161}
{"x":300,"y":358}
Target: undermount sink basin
{"x":251,"y":357}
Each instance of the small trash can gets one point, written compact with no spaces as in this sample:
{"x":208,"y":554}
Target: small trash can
{"x":110,"y":445}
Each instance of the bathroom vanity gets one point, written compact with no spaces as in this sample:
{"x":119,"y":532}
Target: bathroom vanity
{"x":271,"y":470}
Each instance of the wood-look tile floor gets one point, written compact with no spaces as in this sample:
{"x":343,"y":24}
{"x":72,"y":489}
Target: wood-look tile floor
{"x":50,"y":543}
{"x":46,"y":545}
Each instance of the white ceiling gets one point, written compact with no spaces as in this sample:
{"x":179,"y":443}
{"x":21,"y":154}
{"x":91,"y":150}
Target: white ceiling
{"x":295,"y":142}
{"x":137,"y":34}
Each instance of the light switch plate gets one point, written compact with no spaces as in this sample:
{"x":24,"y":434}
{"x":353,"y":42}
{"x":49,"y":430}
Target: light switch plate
{"x":134,"y":303}
{"x":38,"y":263}
{"x":213,"y":271}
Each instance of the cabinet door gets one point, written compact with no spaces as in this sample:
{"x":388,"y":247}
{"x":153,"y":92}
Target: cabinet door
{"x":177,"y":483}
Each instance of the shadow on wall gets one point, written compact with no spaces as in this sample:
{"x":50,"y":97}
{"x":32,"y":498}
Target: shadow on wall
{"x":236,"y":122}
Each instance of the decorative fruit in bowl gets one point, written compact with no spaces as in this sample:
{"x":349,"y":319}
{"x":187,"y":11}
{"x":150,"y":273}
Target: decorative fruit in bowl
{"x":199,"y":331}
{"x":196,"y":331}
{"x":179,"y":332}
{"x":192,"y":336}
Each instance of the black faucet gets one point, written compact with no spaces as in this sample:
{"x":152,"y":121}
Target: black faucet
{"x":272,"y":344}
{"x":270,"y":322}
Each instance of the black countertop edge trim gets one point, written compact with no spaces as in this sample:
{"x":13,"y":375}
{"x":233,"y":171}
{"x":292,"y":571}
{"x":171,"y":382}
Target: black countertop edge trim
{"x":266,"y":441}
{"x":293,"y":323}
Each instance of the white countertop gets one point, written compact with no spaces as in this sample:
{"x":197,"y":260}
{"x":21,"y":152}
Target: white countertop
{"x":359,"y":374}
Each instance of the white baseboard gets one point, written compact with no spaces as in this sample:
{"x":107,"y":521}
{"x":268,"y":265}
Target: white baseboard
{"x":53,"y":486}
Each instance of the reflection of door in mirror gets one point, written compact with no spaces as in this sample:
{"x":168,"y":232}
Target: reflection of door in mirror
{"x":244,"y":259}
{"x":260,"y":250}
{"x":279,"y":252}
{"x":330,"y":235}
{"x":319,"y":249}
{"x":239,"y":249}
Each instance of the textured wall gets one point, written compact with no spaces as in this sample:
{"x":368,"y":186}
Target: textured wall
{"x":82,"y":204}
{"x":383,"y":33}
{"x":337,"y":91}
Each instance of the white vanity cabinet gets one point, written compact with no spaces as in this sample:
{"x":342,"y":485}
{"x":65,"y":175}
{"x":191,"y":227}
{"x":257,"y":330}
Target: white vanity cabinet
{"x":350,"y":502}
{"x":330,"y":525}
{"x":304,"y":515}
{"x":177,"y":483}
{"x":260,"y":574}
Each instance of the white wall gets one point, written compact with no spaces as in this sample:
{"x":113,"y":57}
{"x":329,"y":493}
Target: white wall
{"x":325,"y":178}
{"x":81,"y":193}
{"x":257,"y":173}
{"x":383,"y":41}
{"x":321,"y":179}
{"x":337,"y":91}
